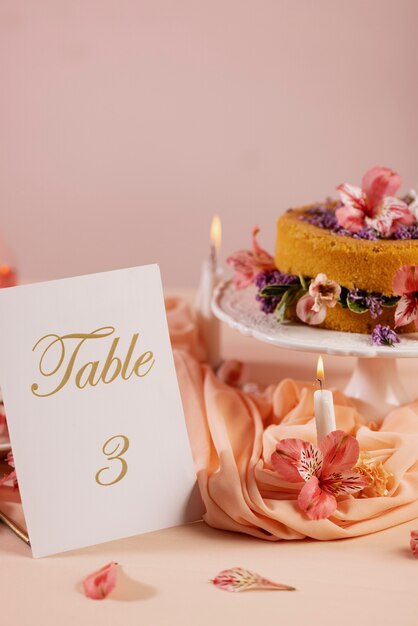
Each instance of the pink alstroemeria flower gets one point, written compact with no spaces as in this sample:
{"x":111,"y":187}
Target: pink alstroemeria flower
{"x":248,"y":263}
{"x":323,"y":294}
{"x":414,"y":543}
{"x":98,"y":585}
{"x":373,"y":205}
{"x":11,"y":477}
{"x":405,"y":284}
{"x":326,"y":470}
{"x":3,"y":422}
{"x":8,"y":277}
{"x":230,"y":372}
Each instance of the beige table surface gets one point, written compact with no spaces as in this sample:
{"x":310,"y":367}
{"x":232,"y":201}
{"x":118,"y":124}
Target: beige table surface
{"x":164,"y":580}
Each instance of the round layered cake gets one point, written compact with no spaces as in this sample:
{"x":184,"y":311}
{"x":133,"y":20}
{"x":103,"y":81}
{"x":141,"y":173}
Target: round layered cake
{"x":303,"y":248}
{"x":349,"y":264}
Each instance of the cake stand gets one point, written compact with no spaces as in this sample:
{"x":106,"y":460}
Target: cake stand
{"x":374,"y":386}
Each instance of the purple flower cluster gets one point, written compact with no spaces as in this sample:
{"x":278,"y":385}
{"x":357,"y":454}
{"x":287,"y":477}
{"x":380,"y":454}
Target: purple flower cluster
{"x":272,"y":277}
{"x":384,"y":336}
{"x":371,"y":301}
{"x":406,"y":232}
{"x":322,"y":216}
{"x":366,"y":233}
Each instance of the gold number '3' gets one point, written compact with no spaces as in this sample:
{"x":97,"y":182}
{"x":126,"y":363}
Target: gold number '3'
{"x":114,"y":449}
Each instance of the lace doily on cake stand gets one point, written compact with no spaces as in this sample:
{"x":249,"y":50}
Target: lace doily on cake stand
{"x":374,"y":385}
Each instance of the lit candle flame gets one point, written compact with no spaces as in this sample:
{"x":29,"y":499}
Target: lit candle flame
{"x":320,"y":371}
{"x":216,"y":233}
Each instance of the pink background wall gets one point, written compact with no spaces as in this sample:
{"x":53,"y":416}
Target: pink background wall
{"x":126,"y":124}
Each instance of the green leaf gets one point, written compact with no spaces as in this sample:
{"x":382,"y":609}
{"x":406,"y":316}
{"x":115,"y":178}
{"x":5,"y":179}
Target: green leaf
{"x":390,"y":301}
{"x":343,"y":297}
{"x":356,"y":307}
{"x":274,"y":290}
{"x":295,"y":295}
{"x":280,"y":310}
{"x":303,"y":282}
{"x":288,"y":299}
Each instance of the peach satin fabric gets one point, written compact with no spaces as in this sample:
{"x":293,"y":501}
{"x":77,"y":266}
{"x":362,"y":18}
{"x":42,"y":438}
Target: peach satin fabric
{"x":233,"y":435}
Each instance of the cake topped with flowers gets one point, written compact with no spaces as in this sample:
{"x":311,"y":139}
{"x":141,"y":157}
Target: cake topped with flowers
{"x":348,"y":264}
{"x":371,"y":211}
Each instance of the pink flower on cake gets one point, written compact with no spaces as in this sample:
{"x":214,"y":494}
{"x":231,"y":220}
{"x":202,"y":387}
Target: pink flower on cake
{"x":326,"y":470}
{"x":405,"y":284}
{"x":374,"y":205}
{"x":248,"y":263}
{"x":323,"y":294}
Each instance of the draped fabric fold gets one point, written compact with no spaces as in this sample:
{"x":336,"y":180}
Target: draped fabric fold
{"x":233,"y":435}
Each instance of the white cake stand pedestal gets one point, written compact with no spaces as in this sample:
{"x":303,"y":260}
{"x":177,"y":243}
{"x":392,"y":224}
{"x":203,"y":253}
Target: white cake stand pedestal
{"x":375,"y":385}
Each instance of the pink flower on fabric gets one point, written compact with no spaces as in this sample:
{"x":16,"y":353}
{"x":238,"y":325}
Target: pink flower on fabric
{"x":414,"y":543}
{"x":11,"y":477}
{"x":230,"y":372}
{"x":374,"y":205}
{"x":326,"y":470}
{"x":405,"y":284}
{"x":8,"y":277}
{"x":3,"y":422}
{"x":98,"y":585}
{"x":248,"y":263}
{"x":323,"y":294}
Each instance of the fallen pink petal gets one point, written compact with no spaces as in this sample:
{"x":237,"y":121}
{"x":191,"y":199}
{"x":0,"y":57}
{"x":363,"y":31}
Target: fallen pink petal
{"x":101,"y":583}
{"x":240,"y":579}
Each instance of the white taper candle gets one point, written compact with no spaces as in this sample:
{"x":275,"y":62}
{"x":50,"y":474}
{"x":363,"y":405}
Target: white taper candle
{"x":324,"y":407}
{"x":209,"y":325}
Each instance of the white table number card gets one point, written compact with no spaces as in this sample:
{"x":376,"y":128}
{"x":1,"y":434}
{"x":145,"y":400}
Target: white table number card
{"x":94,"y":410}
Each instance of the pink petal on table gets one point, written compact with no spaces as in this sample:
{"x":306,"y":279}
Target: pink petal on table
{"x":378,"y":183}
{"x":98,"y":585}
{"x":289,"y":456}
{"x":414,"y":543}
{"x":240,"y":579}
{"x":340,"y":451}
{"x":316,"y":503}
